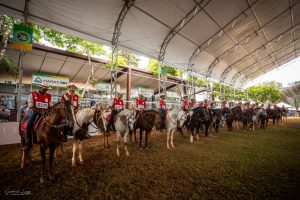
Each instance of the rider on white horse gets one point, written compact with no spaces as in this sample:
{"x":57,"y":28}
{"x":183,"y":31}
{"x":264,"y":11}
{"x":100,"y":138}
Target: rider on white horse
{"x":117,"y":105}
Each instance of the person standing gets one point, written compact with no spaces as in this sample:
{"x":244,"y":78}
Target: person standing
{"x":38,"y":102}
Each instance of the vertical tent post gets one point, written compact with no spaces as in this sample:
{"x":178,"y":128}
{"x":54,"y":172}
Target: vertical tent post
{"x":22,"y":53}
{"x":128,"y":90}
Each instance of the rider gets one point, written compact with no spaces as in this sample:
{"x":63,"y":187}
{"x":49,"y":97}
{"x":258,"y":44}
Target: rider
{"x":185,"y":103}
{"x":70,"y":95}
{"x":74,"y":98}
{"x":38,"y":102}
{"x":192,"y":103}
{"x":140,"y":104}
{"x":224,"y":104}
{"x":200,"y":104}
{"x":162,"y":106}
{"x":117,"y":105}
{"x":206,"y":103}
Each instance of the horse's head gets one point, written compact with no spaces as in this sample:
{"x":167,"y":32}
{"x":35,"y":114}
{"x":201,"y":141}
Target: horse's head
{"x":181,"y":118}
{"x":68,"y":112}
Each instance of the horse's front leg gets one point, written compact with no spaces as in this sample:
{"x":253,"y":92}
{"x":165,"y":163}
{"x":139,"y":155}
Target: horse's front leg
{"x":43,"y":162}
{"x":51,"y":157}
{"x":141,"y":137}
{"x":192,"y":134}
{"x":80,"y":152}
{"x":125,"y":144}
{"x":172,"y":138}
{"x":168,"y":138}
{"x":118,"y":143}
{"x":74,"y":153}
{"x":146,"y":138}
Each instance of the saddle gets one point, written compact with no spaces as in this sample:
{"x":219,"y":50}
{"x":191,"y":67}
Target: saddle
{"x":25,"y":122}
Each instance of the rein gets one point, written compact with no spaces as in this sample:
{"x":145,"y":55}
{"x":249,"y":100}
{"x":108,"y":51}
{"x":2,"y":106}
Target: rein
{"x":55,"y":125}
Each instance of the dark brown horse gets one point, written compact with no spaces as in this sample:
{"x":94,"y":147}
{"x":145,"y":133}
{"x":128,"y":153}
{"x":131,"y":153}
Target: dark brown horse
{"x":145,"y":121}
{"x":49,"y":133}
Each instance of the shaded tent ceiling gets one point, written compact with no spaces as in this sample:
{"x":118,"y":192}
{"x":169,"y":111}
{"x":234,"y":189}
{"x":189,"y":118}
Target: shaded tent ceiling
{"x":48,"y":60}
{"x":232,"y":41}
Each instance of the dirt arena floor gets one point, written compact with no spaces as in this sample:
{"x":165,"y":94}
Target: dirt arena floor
{"x":264,"y":164}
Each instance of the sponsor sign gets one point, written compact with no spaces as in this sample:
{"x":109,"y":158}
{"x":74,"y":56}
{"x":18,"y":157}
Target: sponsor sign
{"x":22,"y":37}
{"x":106,"y":87}
{"x":54,"y":81}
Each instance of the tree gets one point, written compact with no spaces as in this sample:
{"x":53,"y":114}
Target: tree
{"x":153,"y":67}
{"x":264,"y":93}
{"x":129,"y":58}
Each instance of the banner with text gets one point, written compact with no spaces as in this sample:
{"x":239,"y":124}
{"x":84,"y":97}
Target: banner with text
{"x":54,"y":81}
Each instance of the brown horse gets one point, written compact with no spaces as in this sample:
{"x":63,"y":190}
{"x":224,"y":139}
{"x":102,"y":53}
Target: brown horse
{"x":49,"y":133}
{"x":145,"y":122}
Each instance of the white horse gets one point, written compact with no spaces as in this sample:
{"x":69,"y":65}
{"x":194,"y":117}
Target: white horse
{"x":83,"y":118}
{"x":174,"y":119}
{"x":123,"y":124}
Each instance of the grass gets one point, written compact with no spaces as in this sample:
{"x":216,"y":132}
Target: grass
{"x":264,"y":164}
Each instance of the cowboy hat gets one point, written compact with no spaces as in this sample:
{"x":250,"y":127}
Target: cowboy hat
{"x":162,"y":94}
{"x":120,"y":93}
{"x":72,"y":85}
{"x":185,"y":95}
{"x":44,"y":85}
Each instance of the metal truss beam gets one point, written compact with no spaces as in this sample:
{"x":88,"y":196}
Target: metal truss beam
{"x":229,"y":26}
{"x":262,"y":47}
{"x":278,"y":59}
{"x":115,"y":43}
{"x":264,"y":59}
{"x":173,"y":32}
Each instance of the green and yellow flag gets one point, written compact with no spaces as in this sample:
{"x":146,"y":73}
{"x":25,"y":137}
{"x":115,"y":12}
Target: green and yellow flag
{"x":22,"y":37}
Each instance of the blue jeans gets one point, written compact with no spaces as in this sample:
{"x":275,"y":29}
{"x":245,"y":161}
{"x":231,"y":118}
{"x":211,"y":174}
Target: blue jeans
{"x":29,"y":127}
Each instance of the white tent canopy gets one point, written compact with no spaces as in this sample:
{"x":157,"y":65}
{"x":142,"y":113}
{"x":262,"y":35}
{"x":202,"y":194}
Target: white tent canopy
{"x":284,"y":104}
{"x":233,"y":41}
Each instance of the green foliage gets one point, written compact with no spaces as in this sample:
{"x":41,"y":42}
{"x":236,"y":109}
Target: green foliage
{"x":9,"y":66}
{"x":153,"y":67}
{"x":274,"y":84}
{"x":264,"y":93}
{"x":62,"y":40}
{"x":129,"y":58}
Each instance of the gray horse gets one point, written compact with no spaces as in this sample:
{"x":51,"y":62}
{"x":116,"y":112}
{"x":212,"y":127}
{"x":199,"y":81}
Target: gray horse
{"x":123,"y":124}
{"x":174,"y":119}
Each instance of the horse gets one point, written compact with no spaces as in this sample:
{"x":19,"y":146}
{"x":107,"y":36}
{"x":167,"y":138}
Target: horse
{"x":145,"y":121}
{"x":124,"y":124}
{"x":249,"y":116}
{"x":83,"y":119}
{"x":48,"y":133}
{"x":216,"y":115}
{"x":273,"y":114}
{"x":200,"y":116}
{"x":261,"y":117}
{"x":174,"y":119}
{"x":236,"y":114}
{"x":284,"y":114}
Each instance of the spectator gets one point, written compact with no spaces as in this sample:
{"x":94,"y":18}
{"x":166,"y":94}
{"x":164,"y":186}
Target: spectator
{"x":4,"y":113}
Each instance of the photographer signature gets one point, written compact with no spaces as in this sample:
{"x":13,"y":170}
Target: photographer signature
{"x":17,"y":192}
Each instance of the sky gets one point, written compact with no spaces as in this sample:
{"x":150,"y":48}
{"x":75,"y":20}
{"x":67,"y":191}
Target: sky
{"x":285,"y":74}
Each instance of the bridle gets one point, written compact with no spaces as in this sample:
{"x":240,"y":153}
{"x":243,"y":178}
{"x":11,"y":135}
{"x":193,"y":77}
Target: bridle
{"x":44,"y":117}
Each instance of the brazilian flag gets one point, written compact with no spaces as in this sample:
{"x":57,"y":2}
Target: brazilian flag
{"x":22,"y":37}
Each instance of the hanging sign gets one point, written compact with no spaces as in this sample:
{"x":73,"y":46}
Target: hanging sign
{"x":54,"y":81}
{"x":164,"y":72}
{"x":22,"y":37}
{"x":106,"y":87}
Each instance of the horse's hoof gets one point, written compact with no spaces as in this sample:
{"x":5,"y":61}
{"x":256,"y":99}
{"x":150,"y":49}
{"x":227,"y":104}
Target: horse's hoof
{"x":168,"y":147}
{"x":127,"y":153}
{"x":173,"y":146}
{"x":141,"y":148}
{"x":42,"y":180}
